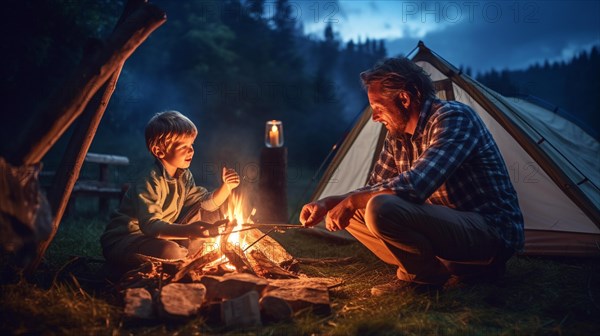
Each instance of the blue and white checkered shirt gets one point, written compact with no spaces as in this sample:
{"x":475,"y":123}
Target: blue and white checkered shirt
{"x":451,"y":160}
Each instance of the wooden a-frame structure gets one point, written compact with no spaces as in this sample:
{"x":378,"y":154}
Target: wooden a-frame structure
{"x":28,"y":219}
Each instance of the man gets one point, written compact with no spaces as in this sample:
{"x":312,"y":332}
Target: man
{"x":439,"y":201}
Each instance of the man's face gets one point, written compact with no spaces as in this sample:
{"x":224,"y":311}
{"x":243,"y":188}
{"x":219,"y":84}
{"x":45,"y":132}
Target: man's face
{"x":387,"y":110}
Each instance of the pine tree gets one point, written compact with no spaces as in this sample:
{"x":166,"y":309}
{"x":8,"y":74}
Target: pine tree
{"x":350,"y":46}
{"x":381,"y":51}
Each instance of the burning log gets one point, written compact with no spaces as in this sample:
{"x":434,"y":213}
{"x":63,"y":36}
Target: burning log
{"x":233,"y":252}
{"x":266,"y":268}
{"x":271,"y":249}
{"x":237,"y":258}
{"x":196,"y":264}
{"x":263,"y":257}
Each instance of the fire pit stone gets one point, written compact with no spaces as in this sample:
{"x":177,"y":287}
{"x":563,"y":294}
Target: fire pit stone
{"x":232,"y":285}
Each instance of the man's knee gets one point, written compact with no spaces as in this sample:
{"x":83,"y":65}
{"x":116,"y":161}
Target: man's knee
{"x":384,"y":210}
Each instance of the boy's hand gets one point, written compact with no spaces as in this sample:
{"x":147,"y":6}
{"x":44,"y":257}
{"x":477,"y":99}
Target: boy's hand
{"x":206,"y":230}
{"x":231,"y":179}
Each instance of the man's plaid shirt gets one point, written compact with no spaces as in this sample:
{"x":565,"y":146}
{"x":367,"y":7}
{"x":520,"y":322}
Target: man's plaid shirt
{"x":451,"y":160}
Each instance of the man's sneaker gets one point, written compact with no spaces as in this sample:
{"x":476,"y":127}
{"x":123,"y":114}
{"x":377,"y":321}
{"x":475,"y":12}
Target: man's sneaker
{"x":397,"y":286}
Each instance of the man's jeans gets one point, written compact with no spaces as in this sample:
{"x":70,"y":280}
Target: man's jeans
{"x":427,"y":242}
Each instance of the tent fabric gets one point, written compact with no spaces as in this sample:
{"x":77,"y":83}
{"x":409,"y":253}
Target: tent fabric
{"x":361,"y":149}
{"x":554,"y":164}
{"x":578,"y":147}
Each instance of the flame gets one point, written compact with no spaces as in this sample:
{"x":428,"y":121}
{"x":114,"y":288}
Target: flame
{"x":234,"y":211}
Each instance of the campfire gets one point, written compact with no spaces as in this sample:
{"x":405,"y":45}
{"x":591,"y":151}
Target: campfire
{"x":243,"y":278}
{"x":243,"y":248}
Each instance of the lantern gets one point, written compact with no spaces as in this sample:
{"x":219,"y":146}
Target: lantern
{"x":274,"y":134}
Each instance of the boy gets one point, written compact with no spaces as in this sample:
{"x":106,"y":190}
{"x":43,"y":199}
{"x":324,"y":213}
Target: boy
{"x":156,"y":213}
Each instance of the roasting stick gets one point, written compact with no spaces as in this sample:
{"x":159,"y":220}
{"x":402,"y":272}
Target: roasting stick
{"x":259,"y":238}
{"x":272,"y":227}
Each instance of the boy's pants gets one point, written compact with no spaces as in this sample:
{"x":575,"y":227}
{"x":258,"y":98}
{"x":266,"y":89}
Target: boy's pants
{"x":181,"y":249}
{"x":427,"y":242}
{"x":130,"y":248}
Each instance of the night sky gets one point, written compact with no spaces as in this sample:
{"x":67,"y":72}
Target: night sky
{"x":479,"y":34}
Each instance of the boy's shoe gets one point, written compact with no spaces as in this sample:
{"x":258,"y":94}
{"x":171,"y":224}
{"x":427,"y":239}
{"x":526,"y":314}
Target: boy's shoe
{"x":396,"y":286}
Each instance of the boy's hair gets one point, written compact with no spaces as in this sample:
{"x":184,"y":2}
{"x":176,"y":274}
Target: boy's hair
{"x":166,"y":127}
{"x":400,"y":74}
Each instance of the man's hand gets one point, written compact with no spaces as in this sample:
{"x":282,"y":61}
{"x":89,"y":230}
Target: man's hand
{"x":312,"y":213}
{"x":339,"y":216}
{"x":231,"y":179}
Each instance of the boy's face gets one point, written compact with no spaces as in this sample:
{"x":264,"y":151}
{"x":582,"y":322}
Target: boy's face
{"x":179,"y":154}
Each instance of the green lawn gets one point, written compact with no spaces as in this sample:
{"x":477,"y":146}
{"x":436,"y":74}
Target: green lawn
{"x":538,"y":296}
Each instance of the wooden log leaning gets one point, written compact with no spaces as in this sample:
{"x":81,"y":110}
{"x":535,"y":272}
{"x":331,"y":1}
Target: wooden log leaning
{"x":70,"y":165}
{"x":135,"y":25}
{"x":69,"y":168}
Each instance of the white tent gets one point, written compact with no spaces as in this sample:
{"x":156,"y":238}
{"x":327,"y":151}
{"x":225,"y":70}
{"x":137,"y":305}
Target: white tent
{"x":554,"y":165}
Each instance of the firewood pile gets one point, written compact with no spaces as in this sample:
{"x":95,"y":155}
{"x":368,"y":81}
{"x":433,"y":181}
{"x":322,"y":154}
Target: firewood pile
{"x":247,"y":288}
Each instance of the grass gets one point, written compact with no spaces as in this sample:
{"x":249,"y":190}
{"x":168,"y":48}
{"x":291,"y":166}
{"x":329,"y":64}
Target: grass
{"x":538,"y":296}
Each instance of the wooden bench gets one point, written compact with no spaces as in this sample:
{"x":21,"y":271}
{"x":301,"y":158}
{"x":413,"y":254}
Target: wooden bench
{"x":102,"y":188}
